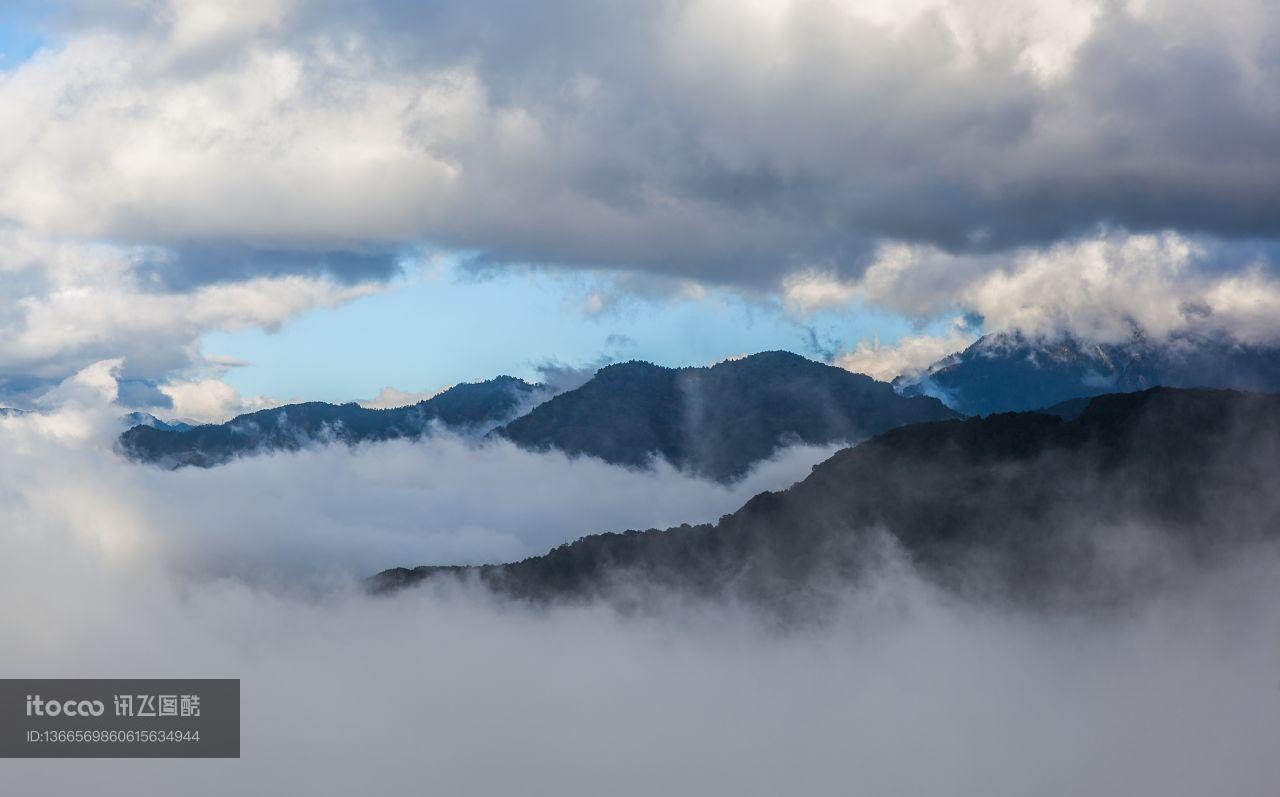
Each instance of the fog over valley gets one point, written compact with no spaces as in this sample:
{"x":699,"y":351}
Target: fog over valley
{"x":124,"y":570}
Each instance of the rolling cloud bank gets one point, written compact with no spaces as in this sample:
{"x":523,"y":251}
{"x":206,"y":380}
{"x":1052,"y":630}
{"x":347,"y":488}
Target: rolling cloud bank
{"x":1082,"y":168}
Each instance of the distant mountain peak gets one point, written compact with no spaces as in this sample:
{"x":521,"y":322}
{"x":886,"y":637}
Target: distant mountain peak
{"x":1010,"y":371}
{"x":628,"y":367}
{"x":147,"y":419}
{"x":771,"y":356}
{"x":715,"y":420}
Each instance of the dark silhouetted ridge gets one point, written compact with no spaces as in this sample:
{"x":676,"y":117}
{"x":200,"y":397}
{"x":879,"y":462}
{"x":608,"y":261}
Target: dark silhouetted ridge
{"x":1029,"y":506}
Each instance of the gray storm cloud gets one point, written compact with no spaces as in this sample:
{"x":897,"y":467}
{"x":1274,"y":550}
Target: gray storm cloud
{"x":248,"y":161}
{"x":647,"y":136}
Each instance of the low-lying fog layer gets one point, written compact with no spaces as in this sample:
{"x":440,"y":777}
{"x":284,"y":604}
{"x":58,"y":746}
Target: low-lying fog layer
{"x":329,"y":510}
{"x":110,"y":570}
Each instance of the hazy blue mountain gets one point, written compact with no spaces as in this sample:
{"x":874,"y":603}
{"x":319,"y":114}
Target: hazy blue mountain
{"x":719,"y":420}
{"x":1008,"y":372}
{"x":147,"y":419}
{"x":1025,"y":506}
{"x":467,"y":408}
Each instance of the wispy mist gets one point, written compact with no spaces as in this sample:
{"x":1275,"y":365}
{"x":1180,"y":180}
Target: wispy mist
{"x":903,"y":693}
{"x":335,"y":510}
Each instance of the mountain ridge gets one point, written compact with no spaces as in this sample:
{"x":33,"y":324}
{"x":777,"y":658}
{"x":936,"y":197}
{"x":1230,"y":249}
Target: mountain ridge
{"x":714,"y":421}
{"x":466,"y":408}
{"x":718,"y":420}
{"x":1024,"y":506}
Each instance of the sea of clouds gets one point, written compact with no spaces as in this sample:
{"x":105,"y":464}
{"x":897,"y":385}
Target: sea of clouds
{"x":109,"y":569}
